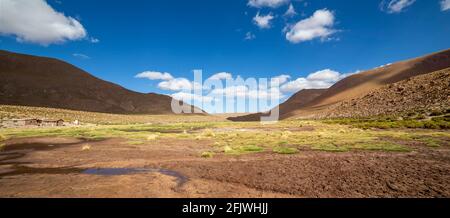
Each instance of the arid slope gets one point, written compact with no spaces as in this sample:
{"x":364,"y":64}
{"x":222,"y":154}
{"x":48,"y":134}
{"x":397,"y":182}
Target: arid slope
{"x":361,"y":84}
{"x":322,"y":102}
{"x":46,"y":82}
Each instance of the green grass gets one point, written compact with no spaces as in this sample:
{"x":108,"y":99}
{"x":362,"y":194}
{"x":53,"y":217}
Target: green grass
{"x":388,"y":123}
{"x":429,"y":141}
{"x":285,"y":150}
{"x":240,"y":150}
{"x":251,"y":148}
{"x":228,"y":137}
{"x":380,"y":146}
{"x":2,"y":138}
{"x":9,"y":112}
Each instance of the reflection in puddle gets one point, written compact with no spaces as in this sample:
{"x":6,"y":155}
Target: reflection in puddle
{"x":115,"y":171}
{"x":22,"y":170}
{"x":181,"y":179}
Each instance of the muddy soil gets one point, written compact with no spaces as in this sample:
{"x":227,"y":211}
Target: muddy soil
{"x":60,"y":167}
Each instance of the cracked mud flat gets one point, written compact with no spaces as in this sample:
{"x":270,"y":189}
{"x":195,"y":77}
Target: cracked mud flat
{"x":59,"y":167}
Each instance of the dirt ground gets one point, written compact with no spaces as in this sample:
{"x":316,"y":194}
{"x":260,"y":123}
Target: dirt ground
{"x":71,"y":167}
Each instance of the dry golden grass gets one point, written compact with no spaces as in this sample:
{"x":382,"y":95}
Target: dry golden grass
{"x":9,"y":112}
{"x":234,"y":138}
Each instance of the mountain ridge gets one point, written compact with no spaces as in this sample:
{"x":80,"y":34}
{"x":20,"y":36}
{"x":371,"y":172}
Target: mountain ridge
{"x":360,"y":84}
{"x":29,"y":80}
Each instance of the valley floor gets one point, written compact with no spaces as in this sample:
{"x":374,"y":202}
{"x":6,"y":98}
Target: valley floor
{"x":224,"y":159}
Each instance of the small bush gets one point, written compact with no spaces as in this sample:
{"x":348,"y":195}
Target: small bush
{"x":86,"y":147}
{"x":208,"y":133}
{"x":152,"y":137}
{"x":251,"y":148}
{"x":207,"y":154}
{"x":227,"y":149}
{"x":412,"y":124}
{"x":285,"y":150}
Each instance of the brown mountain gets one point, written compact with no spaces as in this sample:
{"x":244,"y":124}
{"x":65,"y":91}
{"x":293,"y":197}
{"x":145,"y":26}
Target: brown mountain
{"x":359,"y":85}
{"x":46,"y":82}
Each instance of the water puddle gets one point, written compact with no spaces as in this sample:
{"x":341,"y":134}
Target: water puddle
{"x":12,"y":152}
{"x":180,"y":178}
{"x":22,"y":170}
{"x":31,"y":146}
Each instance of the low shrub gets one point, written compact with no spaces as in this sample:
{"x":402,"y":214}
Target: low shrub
{"x":285,"y":150}
{"x":251,"y":148}
{"x":207,"y":154}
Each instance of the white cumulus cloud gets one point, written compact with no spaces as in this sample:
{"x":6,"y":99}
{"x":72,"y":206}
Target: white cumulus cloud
{"x":242,"y":91}
{"x":319,"y":25}
{"x":326,"y":75}
{"x":221,"y":76}
{"x":263,"y":21}
{"x":395,"y":6}
{"x":179,"y":84}
{"x":445,"y":5}
{"x":154,"y":75}
{"x":267,"y":3}
{"x":318,"y":80}
{"x":36,"y":21}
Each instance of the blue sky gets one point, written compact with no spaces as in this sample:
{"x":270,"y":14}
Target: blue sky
{"x":116,"y":40}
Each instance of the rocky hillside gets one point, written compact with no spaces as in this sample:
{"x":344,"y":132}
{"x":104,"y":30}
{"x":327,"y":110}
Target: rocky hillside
{"x":424,"y":93}
{"x":359,"y":85}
